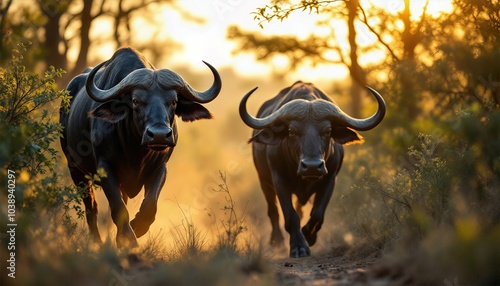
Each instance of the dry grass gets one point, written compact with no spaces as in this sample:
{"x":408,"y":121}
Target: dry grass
{"x":48,"y":254}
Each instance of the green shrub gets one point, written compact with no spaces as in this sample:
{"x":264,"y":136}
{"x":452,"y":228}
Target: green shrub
{"x":438,"y":207}
{"x":28,"y":111}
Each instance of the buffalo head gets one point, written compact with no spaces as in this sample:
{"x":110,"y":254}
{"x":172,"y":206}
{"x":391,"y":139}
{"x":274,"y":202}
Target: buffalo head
{"x":305,"y":129}
{"x":153,"y":97}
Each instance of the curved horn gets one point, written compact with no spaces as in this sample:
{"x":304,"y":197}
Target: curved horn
{"x":290,"y":109}
{"x":205,"y":96}
{"x":337,"y":114}
{"x":100,"y":95}
{"x":246,"y":117}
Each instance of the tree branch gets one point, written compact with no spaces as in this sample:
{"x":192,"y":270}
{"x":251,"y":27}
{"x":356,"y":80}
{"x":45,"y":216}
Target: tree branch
{"x":379,"y":37}
{"x":422,"y":19}
{"x":262,"y":14}
{"x":100,"y":12}
{"x":3,"y":14}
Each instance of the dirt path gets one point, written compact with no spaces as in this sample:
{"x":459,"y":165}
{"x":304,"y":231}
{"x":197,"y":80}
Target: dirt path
{"x":323,"y":270}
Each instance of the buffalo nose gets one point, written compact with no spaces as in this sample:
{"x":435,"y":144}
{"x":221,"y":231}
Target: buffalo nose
{"x":158,"y":136}
{"x":312,"y":168}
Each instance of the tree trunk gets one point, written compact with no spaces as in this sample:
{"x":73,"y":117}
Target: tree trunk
{"x":357,"y":74}
{"x":3,"y":35}
{"x":408,"y":65}
{"x":53,"y":38}
{"x":86,"y":21}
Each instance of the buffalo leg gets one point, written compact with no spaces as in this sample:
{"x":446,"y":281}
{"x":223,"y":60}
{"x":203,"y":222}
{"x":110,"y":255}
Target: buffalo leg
{"x":91,"y":213}
{"x":272,"y":211}
{"x":298,"y":209}
{"x":298,"y":245}
{"x":125,"y":236}
{"x":124,"y":197}
{"x":89,"y":202}
{"x":310,"y":230}
{"x":146,"y":215}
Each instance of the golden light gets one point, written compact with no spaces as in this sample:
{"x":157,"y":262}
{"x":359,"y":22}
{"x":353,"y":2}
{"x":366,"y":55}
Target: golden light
{"x":221,"y":14}
{"x":434,"y":8}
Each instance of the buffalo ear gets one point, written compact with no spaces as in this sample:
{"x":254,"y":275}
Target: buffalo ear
{"x":268,"y":137}
{"x":346,"y":136}
{"x":111,"y":111}
{"x":191,"y":111}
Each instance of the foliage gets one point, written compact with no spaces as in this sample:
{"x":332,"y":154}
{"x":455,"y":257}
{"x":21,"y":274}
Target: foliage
{"x":297,"y":51}
{"x":312,"y":50}
{"x":57,"y":28}
{"x":281,"y":9}
{"x":29,"y":123}
{"x":476,"y":135}
{"x":445,"y":188}
{"x":468,"y":42}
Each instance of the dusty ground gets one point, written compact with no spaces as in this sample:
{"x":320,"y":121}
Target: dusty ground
{"x":323,"y":270}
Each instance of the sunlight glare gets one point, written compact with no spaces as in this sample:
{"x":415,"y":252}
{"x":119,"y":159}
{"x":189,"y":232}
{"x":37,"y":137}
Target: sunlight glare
{"x":246,"y":65}
{"x":280,"y":63}
{"x":435,"y":8}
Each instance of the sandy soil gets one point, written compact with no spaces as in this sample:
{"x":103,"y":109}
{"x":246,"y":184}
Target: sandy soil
{"x":325,"y":270}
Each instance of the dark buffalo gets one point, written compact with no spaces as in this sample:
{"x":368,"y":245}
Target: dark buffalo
{"x":297,"y":149}
{"x":122,"y":120}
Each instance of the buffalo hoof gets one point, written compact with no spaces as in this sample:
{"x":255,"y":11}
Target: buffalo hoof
{"x":122,"y":242}
{"x":126,"y":239}
{"x":309,"y":236}
{"x":140,"y":229}
{"x":300,"y":252}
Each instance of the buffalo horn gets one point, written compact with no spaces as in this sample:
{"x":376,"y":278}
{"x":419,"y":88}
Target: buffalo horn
{"x":100,"y":95}
{"x":206,"y":96}
{"x":333,"y":112}
{"x":337,"y":115}
{"x":288,"y":110}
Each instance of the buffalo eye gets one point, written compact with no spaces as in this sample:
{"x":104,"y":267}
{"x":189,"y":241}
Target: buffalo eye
{"x":326,"y":132}
{"x":292,"y":133}
{"x":136,"y":102}
{"x":174,"y":104}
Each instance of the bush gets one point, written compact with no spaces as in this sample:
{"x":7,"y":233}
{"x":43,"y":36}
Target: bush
{"x":28,"y":111}
{"x":438,"y":207}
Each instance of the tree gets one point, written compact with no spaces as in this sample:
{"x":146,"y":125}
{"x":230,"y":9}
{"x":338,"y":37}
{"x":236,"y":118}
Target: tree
{"x":463,"y":72}
{"x":355,"y":70}
{"x":27,"y":150}
{"x":57,"y":28}
{"x":315,"y":47}
{"x":4,"y":9}
{"x":402,"y":58}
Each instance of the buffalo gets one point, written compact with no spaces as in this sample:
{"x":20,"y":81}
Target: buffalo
{"x":297,"y":149}
{"x":122,"y":120}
